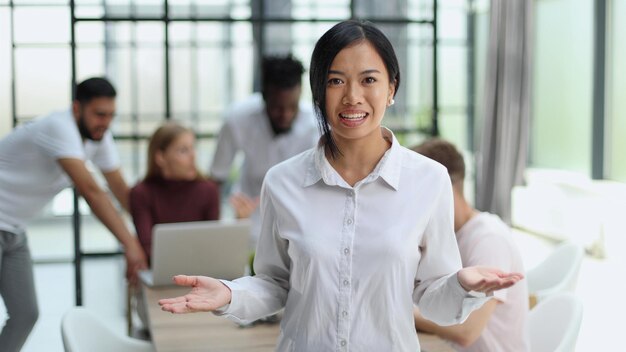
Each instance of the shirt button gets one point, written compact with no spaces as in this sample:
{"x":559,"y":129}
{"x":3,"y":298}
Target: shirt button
{"x":344,"y":313}
{"x":349,"y":221}
{"x":346,"y":251}
{"x":343,"y":343}
{"x":346,"y":282}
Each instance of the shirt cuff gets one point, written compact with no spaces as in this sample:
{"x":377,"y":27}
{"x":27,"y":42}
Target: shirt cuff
{"x":228,"y":309}
{"x":472,"y":300}
{"x":225,"y":309}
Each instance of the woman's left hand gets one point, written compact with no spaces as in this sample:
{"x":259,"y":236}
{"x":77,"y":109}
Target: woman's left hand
{"x":485,"y":279}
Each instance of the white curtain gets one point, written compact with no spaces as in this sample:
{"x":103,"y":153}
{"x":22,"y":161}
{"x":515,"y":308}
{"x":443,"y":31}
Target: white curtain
{"x":501,"y":158}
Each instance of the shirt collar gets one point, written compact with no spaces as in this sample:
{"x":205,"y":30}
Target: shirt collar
{"x":388,"y":168}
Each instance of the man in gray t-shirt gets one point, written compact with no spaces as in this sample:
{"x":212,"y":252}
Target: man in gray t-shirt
{"x":38,"y":160}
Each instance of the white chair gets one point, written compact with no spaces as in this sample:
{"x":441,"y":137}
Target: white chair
{"x":82,"y":331}
{"x":557,"y":273}
{"x":554,"y":323}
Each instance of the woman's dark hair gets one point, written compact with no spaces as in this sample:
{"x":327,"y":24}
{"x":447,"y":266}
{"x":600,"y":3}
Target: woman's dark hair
{"x":94,"y":88}
{"x":340,"y":36}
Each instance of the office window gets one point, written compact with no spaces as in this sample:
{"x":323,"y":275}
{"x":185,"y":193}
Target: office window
{"x":57,"y":30}
{"x":453,"y":77}
{"x":42,"y":60}
{"x":453,"y":73}
{"x":309,"y":9}
{"x":616,"y":82}
{"x":420,"y":9}
{"x":89,"y":9}
{"x":211,"y":65}
{"x":40,"y":3}
{"x":417,"y":81}
{"x":90,"y":51}
{"x":135,"y":58}
{"x":209,"y":8}
{"x":119,"y":8}
{"x":562,"y":88}
{"x":380,"y":9}
{"x":42,"y":81}
{"x":453,"y":127}
{"x":133,"y":155}
{"x":193,"y":67}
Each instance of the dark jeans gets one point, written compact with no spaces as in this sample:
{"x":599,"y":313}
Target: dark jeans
{"x":17,"y":288}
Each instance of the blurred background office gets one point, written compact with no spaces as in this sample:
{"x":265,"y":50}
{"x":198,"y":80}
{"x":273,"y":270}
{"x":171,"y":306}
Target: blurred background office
{"x":543,"y":130}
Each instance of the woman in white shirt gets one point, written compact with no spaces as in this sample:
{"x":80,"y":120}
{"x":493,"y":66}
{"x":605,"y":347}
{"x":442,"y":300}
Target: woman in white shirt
{"x":355,"y":231}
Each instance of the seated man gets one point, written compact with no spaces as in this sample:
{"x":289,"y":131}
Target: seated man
{"x":483,"y":239}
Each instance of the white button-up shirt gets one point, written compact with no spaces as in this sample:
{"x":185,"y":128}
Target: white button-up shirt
{"x":348,"y":263}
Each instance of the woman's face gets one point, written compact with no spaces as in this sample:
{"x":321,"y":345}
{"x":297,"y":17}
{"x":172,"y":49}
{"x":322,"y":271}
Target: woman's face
{"x":178,"y":160}
{"x":358,"y":92}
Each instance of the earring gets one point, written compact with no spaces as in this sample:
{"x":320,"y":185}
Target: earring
{"x":391,"y":102}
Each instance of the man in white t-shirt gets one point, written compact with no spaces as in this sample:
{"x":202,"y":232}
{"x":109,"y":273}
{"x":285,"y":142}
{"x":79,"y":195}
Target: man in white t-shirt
{"x":37,"y":161}
{"x":483,"y":240}
{"x":268,"y":127}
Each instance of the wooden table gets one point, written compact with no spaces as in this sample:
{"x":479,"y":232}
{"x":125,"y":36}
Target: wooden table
{"x":208,"y":332}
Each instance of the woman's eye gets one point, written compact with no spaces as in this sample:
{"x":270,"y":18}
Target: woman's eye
{"x":334,"y":81}
{"x":369,"y":80}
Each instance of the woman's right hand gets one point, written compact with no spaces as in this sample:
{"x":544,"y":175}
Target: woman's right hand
{"x":207,"y":294}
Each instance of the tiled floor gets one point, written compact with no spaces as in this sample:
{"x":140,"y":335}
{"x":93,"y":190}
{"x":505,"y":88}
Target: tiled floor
{"x":600,"y":285}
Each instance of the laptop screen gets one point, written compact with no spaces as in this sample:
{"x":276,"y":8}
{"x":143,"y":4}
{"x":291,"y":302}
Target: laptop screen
{"x":218,"y":249}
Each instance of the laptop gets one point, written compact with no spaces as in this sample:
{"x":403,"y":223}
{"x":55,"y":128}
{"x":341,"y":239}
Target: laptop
{"x":211,"y":248}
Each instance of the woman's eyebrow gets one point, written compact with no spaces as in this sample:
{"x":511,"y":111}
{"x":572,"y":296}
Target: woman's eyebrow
{"x":366,"y":72}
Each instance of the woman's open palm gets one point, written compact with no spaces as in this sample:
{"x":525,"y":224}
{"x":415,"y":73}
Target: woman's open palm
{"x":207,"y":294}
{"x":485,"y":279}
